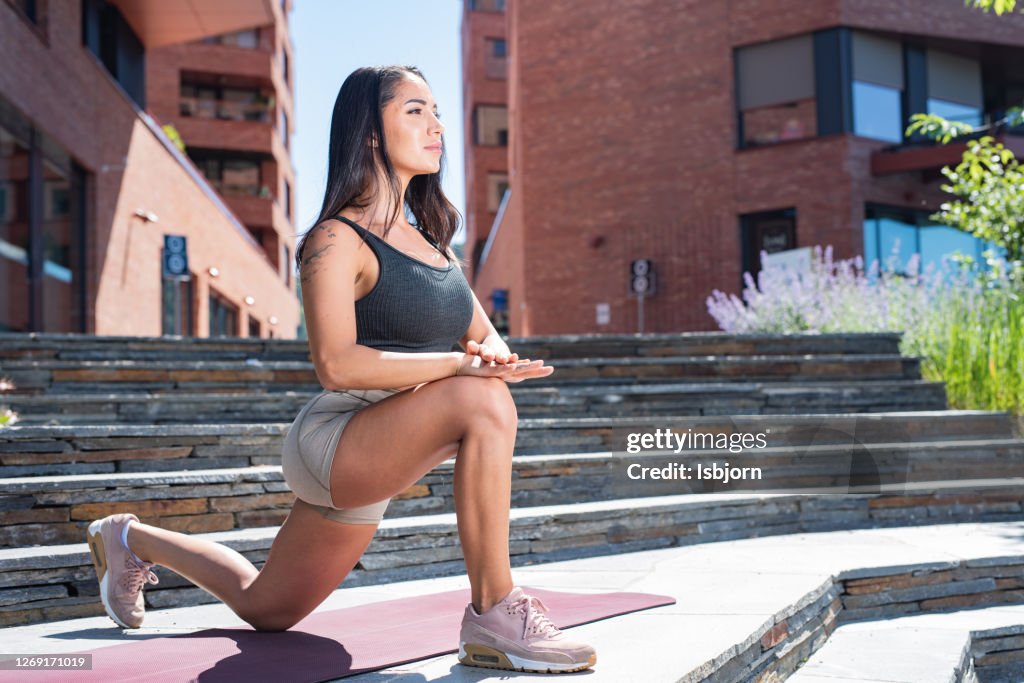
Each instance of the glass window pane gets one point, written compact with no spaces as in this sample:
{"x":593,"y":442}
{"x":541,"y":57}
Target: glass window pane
{"x":14,"y":155}
{"x":876,"y":112}
{"x":249,"y":39}
{"x":497,"y":183}
{"x":774,"y":123}
{"x":953,"y":111}
{"x":60,"y":280}
{"x":240,"y":177}
{"x":938,"y":241}
{"x":897,"y":237}
{"x":491,"y":125}
{"x":870,"y":243}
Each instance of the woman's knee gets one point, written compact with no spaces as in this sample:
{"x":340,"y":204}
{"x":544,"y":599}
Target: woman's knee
{"x":269,"y":620}
{"x":484,"y":401}
{"x":272,"y":624}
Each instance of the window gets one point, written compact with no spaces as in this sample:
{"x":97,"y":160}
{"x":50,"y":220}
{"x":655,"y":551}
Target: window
{"x":288,"y":199}
{"x":487,"y":5}
{"x":248,"y":39}
{"x":200,"y":99}
{"x":877,"y":87}
{"x":28,"y":8}
{"x":892,"y":235}
{"x":491,"y":123}
{"x":495,"y":59}
{"x":287,"y":262}
{"x":769,"y":231}
{"x":239,"y":177}
{"x":497,"y":184}
{"x":177,"y":300}
{"x":254,"y":327}
{"x":499,"y":310}
{"x":223,"y":316}
{"x":42,"y":255}
{"x":284,"y":63}
{"x":775,"y":91}
{"x":108,"y":36}
{"x":232,"y":177}
{"x":282,"y":125}
{"x":954,"y":87}
{"x":14,"y":231}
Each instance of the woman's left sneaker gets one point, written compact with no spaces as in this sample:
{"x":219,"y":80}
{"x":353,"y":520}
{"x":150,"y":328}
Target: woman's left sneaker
{"x":515,"y":634}
{"x":120,"y":575}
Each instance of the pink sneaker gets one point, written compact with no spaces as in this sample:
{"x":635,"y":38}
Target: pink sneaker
{"x":515,"y":634}
{"x":121,"y":577}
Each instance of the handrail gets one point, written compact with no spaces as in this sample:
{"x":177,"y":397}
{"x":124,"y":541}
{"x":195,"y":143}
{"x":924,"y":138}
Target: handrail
{"x":494,"y":230}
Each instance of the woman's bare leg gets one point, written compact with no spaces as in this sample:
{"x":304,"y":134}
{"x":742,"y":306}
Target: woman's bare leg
{"x":309,"y":558}
{"x":390,"y":445}
{"x":472,"y":418}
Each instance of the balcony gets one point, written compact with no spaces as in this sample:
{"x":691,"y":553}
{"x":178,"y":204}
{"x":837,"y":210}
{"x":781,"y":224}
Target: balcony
{"x":930,"y":156}
{"x":158,"y":22}
{"x":224,"y":110}
{"x":238,"y":136}
{"x":251,"y":209}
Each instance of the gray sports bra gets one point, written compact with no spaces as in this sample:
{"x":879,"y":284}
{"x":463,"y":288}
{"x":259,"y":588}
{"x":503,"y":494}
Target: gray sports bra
{"x":414,"y":307}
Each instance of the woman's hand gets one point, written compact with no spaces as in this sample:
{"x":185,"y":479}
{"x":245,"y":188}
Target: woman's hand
{"x":492,"y":349}
{"x":475,"y":366}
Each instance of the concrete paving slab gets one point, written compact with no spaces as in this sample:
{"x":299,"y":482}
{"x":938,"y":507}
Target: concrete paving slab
{"x":912,"y":649}
{"x":726,"y":592}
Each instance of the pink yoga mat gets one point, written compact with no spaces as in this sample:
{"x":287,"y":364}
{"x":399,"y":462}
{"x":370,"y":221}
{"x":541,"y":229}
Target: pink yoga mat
{"x":324,"y":645}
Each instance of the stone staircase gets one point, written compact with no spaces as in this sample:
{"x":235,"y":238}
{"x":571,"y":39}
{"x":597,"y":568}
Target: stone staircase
{"x":187,"y":434}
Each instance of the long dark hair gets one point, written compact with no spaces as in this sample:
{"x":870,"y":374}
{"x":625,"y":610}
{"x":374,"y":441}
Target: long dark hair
{"x":351,"y":160}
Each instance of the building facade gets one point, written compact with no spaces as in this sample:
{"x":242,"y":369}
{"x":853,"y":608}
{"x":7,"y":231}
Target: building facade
{"x":112,"y":220}
{"x":684,"y":138}
{"x":485,"y":120}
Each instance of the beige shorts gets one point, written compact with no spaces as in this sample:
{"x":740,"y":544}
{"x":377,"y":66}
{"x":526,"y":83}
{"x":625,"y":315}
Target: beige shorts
{"x":309,"y":446}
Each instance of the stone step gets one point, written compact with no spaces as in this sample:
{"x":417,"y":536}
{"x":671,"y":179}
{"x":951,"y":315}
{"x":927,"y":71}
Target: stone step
{"x":745,"y":611}
{"x":761,"y":618}
{"x":35,"y":376}
{"x":981,"y":644}
{"x":48,"y":510}
{"x":98,"y":449}
{"x":698,"y":398}
{"x":88,"y":347}
{"x":51,"y":583}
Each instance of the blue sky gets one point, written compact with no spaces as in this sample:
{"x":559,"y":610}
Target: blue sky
{"x":332,"y":38}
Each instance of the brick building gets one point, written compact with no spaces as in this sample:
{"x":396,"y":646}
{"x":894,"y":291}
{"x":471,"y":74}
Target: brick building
{"x":696,"y":134}
{"x":485,"y":120}
{"x":93,"y":186}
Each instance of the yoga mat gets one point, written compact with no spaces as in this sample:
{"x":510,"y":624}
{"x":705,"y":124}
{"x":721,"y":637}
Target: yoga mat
{"x":324,"y":645}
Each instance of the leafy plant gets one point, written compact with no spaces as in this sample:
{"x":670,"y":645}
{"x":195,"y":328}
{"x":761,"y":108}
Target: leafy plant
{"x":7,"y":416}
{"x":990,"y":184}
{"x":174,"y":136}
{"x":998,"y":6}
{"x":968,"y":329}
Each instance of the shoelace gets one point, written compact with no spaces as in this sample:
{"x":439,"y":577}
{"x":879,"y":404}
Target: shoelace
{"x":536,"y":620}
{"x":137,"y":575}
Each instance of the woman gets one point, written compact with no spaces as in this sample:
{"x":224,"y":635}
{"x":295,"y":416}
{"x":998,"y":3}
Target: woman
{"x":385,"y":301}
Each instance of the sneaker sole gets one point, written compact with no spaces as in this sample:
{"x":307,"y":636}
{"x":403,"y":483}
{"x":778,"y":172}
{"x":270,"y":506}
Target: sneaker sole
{"x":471,"y":654}
{"x":99,"y":562}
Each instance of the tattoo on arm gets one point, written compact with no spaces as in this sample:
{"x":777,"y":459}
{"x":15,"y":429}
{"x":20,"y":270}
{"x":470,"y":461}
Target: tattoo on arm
{"x":311,"y":264}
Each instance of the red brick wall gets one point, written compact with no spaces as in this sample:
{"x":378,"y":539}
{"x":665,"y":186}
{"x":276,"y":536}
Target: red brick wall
{"x":479,"y":161}
{"x":623,"y":133}
{"x":71,"y":98}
